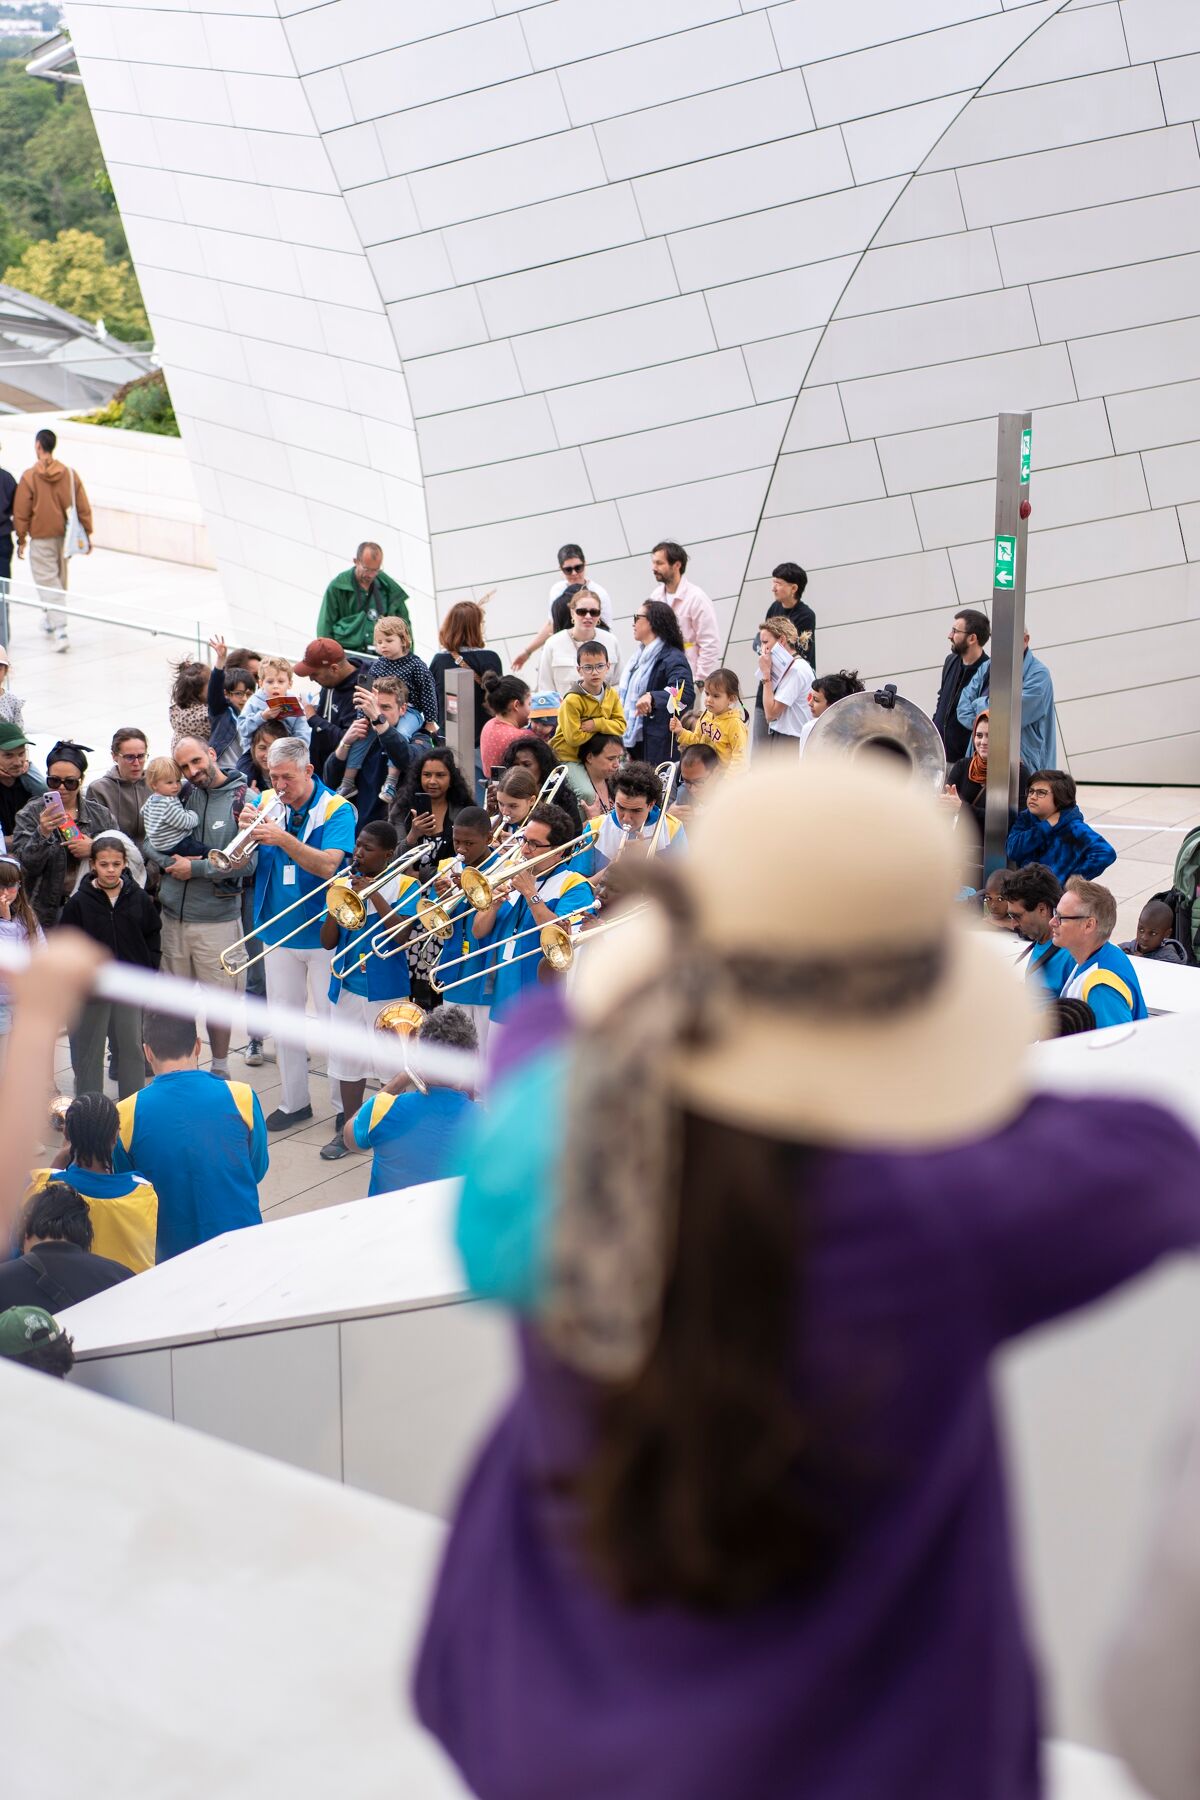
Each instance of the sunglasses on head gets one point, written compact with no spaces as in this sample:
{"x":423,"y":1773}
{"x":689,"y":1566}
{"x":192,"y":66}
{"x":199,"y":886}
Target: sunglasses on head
{"x":70,"y":782}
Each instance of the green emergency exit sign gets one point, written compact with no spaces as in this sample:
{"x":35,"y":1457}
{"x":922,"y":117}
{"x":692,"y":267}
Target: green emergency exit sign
{"x":1026,"y":456}
{"x":1004,"y":572}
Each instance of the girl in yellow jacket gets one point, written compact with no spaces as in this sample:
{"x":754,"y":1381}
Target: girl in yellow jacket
{"x":724,"y":723}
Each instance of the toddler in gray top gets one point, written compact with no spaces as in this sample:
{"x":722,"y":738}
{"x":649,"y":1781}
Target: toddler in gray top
{"x":170,"y":827}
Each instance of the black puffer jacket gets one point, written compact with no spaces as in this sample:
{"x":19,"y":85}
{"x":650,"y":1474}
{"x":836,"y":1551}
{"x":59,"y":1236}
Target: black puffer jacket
{"x":129,"y":927}
{"x":44,"y":860}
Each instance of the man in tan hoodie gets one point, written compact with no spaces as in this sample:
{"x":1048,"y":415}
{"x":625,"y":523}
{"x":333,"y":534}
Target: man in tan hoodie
{"x":40,"y":507}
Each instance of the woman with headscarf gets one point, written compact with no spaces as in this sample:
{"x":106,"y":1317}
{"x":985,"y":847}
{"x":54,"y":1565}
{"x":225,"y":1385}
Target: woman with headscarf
{"x":742,"y":1526}
{"x":52,"y":837}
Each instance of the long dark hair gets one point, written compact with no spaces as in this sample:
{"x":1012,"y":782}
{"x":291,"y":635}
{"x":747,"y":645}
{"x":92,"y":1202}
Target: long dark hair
{"x":547,"y":762}
{"x":662,"y":621}
{"x":457,"y":794}
{"x":694,"y":1493}
{"x":502,"y":691}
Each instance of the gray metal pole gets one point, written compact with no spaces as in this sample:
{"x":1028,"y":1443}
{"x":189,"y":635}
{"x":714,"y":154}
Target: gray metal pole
{"x":1014,"y":447}
{"x":460,"y":721}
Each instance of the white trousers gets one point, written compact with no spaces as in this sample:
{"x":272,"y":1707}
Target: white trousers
{"x":295,"y":977}
{"x":481,"y":1018}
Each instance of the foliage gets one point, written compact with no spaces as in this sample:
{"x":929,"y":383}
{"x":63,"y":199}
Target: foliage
{"x":143,"y":405}
{"x":53,"y":175}
{"x":72,"y":271}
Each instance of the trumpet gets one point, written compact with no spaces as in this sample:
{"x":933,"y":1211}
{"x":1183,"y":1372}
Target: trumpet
{"x":558,"y":944}
{"x":238,"y":849}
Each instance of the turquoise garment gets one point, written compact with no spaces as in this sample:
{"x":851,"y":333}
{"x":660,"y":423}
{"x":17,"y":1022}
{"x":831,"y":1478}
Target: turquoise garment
{"x":509,"y":1182}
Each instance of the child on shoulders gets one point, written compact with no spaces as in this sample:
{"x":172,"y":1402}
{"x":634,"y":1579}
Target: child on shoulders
{"x":273,"y":700}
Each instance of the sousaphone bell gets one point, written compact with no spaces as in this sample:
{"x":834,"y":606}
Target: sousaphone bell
{"x":882,"y":724}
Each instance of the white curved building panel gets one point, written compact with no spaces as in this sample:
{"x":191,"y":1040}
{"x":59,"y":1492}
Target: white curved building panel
{"x":483,"y":277}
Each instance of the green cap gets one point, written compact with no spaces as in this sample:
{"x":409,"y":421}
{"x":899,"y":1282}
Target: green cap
{"x":24,"y":1329}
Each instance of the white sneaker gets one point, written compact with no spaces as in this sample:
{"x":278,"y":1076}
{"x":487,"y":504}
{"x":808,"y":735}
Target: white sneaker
{"x":61,"y":640}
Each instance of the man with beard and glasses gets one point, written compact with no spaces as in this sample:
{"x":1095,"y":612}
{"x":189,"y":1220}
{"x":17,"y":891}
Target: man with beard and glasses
{"x":202,"y":906}
{"x":969,"y":633}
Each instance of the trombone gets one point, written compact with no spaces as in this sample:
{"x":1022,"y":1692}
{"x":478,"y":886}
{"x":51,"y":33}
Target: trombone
{"x":348,"y":905}
{"x":338,"y":894}
{"x":485,"y":891}
{"x":558,"y":944}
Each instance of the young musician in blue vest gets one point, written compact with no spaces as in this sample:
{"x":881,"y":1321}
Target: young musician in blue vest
{"x":471,"y":973}
{"x":637,"y":803}
{"x":361,"y":984}
{"x":541,"y":895}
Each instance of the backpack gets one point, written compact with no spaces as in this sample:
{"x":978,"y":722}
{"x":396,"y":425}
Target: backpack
{"x":1183,"y":898}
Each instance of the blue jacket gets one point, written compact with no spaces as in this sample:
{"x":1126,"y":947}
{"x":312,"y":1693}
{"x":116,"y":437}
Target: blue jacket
{"x":656,"y":744}
{"x":202,"y":1143}
{"x":1069,"y":848}
{"x":1109,"y":984}
{"x":1050,"y":964}
{"x":1039,"y":741}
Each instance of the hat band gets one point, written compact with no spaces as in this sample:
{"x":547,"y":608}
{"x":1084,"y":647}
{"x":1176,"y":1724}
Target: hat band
{"x":864,"y":982}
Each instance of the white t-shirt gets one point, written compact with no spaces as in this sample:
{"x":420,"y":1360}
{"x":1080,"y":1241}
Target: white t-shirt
{"x":558,"y":669}
{"x":792,"y":691}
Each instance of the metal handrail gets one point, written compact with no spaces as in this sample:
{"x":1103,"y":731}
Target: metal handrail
{"x":59,"y":600}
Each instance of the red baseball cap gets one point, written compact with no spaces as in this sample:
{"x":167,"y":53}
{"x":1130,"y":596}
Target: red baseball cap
{"x":322,"y":653}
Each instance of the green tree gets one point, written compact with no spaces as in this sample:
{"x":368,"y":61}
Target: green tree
{"x":72,"y":271}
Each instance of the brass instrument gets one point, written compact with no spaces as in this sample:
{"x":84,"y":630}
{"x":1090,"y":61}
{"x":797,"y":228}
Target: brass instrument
{"x":239,"y":848}
{"x":558,"y":943}
{"x":668,"y":774}
{"x":484,"y":891}
{"x":433,"y":915}
{"x":60,"y":1106}
{"x":403,"y":1019}
{"x":883,"y":723}
{"x":348,"y":904}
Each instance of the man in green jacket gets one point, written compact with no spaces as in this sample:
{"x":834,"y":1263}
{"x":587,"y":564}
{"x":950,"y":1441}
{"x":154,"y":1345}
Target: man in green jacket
{"x":357,"y":597}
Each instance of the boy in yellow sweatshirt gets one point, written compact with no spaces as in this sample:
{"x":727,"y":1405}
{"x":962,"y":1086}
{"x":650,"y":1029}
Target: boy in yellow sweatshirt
{"x":589,"y":707}
{"x":722,"y":725}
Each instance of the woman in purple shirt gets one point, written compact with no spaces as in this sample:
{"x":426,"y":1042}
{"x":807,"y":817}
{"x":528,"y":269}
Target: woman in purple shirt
{"x":767,"y":1214}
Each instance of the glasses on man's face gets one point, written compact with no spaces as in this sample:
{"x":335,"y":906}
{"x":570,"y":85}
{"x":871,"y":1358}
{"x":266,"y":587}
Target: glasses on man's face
{"x":1070,"y":918}
{"x":572,"y":568}
{"x":70,"y":782}
{"x":132,"y":756}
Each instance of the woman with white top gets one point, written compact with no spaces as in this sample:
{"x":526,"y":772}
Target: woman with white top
{"x":558,"y":670}
{"x":786,"y":680}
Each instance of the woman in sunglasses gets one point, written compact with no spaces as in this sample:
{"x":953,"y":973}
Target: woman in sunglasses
{"x":573,"y":566}
{"x":52,"y":838}
{"x":559,"y":667}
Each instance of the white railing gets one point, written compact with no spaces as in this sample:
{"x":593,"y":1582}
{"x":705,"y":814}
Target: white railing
{"x":100,"y":612}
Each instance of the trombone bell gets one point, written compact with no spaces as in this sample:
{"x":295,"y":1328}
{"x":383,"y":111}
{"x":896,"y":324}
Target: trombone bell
{"x":346,"y":905}
{"x":557,"y":946}
{"x":400,"y":1018}
{"x":435,"y":921}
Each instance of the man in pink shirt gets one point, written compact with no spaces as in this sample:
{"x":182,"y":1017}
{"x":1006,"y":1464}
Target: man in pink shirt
{"x":691,"y":605}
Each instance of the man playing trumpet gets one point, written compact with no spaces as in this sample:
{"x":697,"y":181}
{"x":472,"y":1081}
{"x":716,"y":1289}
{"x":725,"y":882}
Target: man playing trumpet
{"x":297,"y":856}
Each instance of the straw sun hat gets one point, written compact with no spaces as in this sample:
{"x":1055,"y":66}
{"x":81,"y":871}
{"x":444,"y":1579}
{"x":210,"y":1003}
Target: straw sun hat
{"x":842,"y":996}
